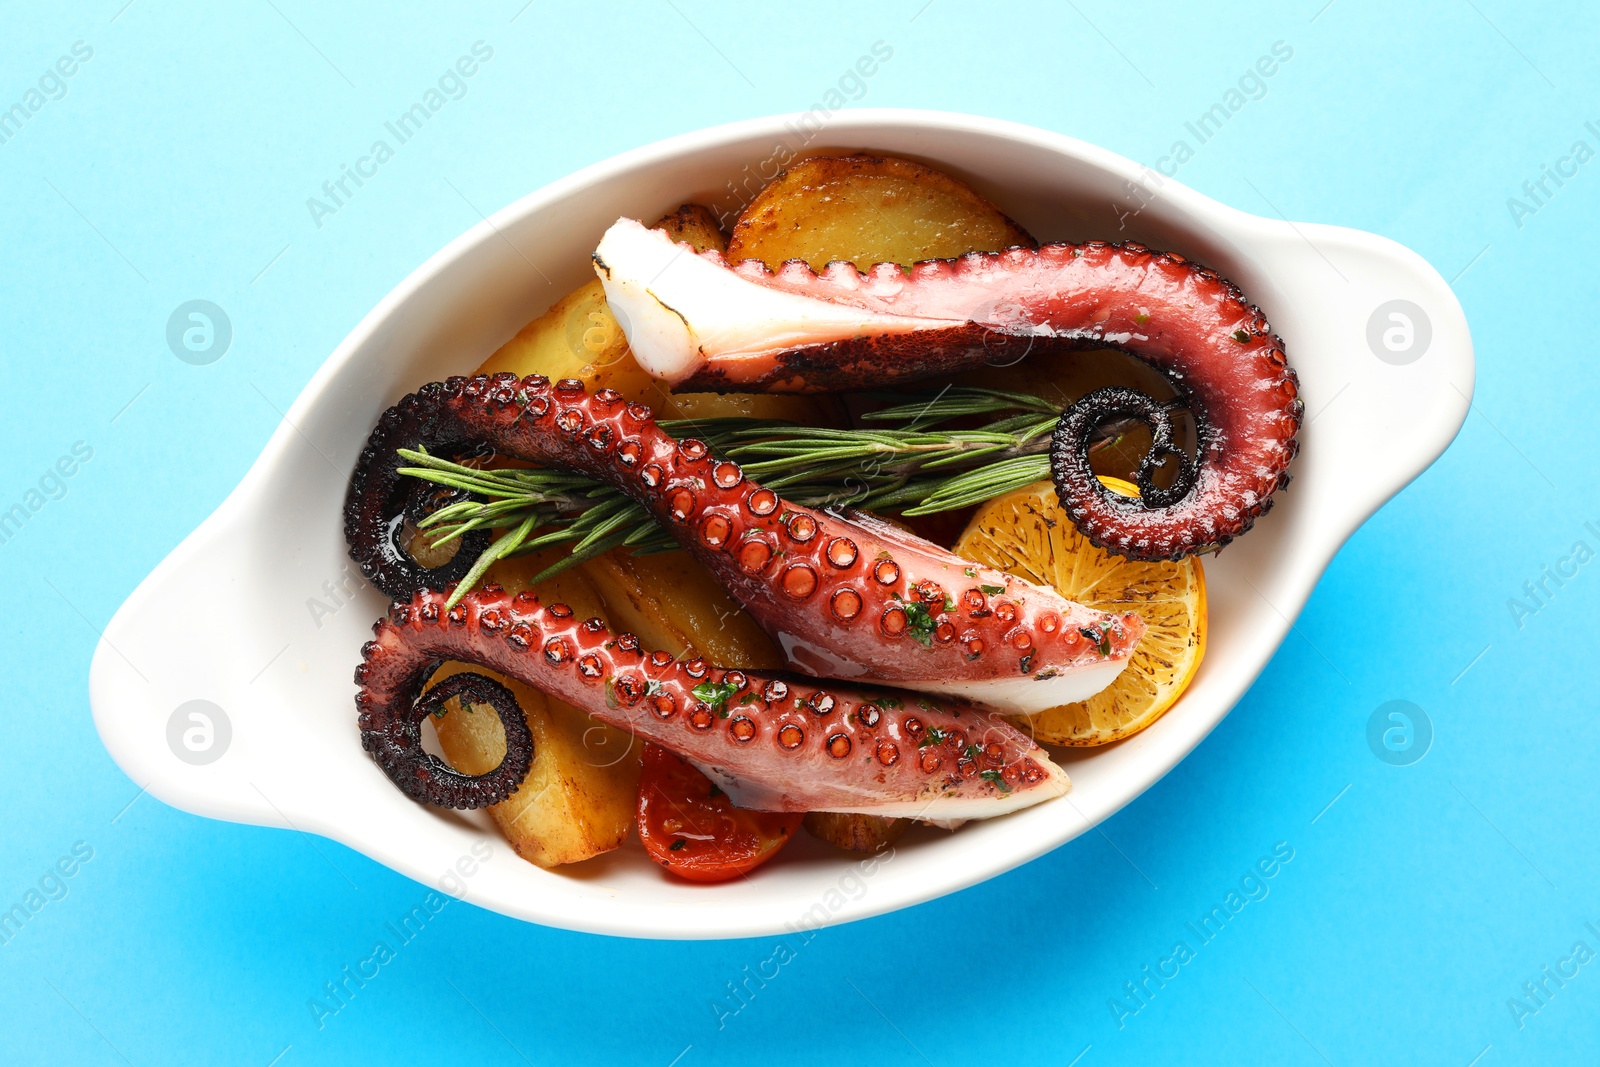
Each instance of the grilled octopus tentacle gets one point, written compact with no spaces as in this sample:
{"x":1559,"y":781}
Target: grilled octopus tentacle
{"x":698,"y":322}
{"x":772,"y":742}
{"x":842,"y":597}
{"x":379,"y":501}
{"x":422,"y":776}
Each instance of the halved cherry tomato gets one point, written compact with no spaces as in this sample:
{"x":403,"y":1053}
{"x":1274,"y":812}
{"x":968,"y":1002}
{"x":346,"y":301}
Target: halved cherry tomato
{"x":691,"y":828}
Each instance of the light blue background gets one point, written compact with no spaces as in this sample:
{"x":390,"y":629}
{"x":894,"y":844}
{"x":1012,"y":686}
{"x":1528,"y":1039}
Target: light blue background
{"x":178,"y":165}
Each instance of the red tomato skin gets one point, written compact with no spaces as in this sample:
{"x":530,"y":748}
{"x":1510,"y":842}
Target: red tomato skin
{"x":692,"y":829}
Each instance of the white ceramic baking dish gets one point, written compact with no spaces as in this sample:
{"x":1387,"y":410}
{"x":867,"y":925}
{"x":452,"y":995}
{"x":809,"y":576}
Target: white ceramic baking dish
{"x":226,"y":618}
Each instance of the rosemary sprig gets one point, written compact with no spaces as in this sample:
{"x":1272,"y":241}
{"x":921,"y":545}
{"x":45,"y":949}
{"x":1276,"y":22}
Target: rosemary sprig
{"x":911,"y":465}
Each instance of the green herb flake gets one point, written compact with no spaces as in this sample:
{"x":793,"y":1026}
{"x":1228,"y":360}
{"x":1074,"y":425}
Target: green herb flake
{"x":993,"y":590}
{"x":969,"y":572}
{"x":1242,"y":336}
{"x":994,"y":776}
{"x":934,"y":736}
{"x":920,"y":624}
{"x":715,"y":695}
{"x":1141,"y":318}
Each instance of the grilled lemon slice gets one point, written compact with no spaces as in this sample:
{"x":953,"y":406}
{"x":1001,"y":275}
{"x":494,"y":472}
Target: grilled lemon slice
{"x":1026,"y":533}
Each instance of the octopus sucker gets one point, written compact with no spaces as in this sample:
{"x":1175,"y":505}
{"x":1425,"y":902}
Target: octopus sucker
{"x":842,"y":595}
{"x":773,"y":743}
{"x":700,"y":323}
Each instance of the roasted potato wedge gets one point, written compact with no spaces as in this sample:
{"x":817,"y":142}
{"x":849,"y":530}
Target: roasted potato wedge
{"x":868,"y":209}
{"x":695,"y":224}
{"x":672,"y":603}
{"x":578,"y":798}
{"x":855,"y":833}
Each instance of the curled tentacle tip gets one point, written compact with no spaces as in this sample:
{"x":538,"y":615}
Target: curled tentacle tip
{"x":397,"y":747}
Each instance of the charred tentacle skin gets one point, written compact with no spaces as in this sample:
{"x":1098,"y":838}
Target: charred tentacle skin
{"x":842,"y":597}
{"x":379,"y":501}
{"x":708,"y":324}
{"x":1077,"y":484}
{"x":395,"y":742}
{"x":773,"y":742}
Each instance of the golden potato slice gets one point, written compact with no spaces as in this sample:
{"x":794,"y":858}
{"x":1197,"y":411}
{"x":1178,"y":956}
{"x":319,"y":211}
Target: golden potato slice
{"x":855,"y":833}
{"x":672,"y":603}
{"x":577,"y":338}
{"x":578,"y":798}
{"x":868,"y":209}
{"x":568,"y":587}
{"x":695,"y":224}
